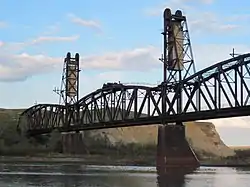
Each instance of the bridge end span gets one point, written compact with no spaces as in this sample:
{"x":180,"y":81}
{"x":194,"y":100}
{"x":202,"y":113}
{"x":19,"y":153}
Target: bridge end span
{"x":173,"y":150}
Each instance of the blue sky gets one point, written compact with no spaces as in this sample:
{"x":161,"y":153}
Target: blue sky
{"x":117,"y":40}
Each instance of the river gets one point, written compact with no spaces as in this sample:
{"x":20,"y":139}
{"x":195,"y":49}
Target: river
{"x":55,"y":175}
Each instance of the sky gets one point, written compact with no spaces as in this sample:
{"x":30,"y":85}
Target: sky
{"x":116,"y":40}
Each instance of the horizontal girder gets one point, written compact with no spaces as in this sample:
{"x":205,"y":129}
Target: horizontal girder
{"x":221,"y":90}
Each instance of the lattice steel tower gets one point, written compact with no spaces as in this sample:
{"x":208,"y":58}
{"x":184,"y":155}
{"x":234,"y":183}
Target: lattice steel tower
{"x":69,"y":92}
{"x":177,"y":58}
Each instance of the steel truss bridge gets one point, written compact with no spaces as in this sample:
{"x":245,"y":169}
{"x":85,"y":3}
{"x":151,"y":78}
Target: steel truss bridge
{"x":222,"y":90}
{"x":219,"y":91}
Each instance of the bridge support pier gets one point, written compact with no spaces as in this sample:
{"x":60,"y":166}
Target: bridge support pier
{"x":173,"y":150}
{"x":73,"y":143}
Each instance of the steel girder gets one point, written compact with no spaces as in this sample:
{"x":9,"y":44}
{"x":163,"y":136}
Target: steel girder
{"x":221,"y":90}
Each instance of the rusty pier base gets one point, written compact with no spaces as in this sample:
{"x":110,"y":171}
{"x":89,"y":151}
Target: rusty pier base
{"x":173,"y":150}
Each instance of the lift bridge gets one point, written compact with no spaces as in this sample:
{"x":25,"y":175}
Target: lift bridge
{"x":218,"y":91}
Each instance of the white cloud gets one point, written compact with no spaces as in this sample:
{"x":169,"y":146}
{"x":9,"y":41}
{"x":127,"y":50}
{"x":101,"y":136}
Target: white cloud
{"x":55,"y":39}
{"x":209,"y":22}
{"x":19,"y":67}
{"x":86,"y":23}
{"x":17,"y":46}
{"x":199,"y":21}
{"x":136,"y":59}
{"x":10,"y":47}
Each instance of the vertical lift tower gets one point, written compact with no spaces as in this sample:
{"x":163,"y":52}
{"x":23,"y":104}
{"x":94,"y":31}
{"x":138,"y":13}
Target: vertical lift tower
{"x":173,"y":150}
{"x":69,"y":92}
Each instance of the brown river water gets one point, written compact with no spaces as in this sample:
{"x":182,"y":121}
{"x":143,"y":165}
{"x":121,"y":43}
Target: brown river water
{"x":58,"y":175}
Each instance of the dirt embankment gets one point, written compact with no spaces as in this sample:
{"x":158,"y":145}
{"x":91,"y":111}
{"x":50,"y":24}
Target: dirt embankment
{"x":202,"y":136}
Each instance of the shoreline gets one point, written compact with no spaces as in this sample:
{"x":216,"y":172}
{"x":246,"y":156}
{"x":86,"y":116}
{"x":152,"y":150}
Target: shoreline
{"x":99,"y":160}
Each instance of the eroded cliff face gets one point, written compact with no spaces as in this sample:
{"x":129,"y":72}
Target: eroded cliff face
{"x":206,"y":141}
{"x":202,"y":136}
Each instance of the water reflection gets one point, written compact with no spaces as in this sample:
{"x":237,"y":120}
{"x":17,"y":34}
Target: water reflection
{"x":75,"y":175}
{"x":174,"y":177}
{"x":243,"y":169}
{"x":24,"y":175}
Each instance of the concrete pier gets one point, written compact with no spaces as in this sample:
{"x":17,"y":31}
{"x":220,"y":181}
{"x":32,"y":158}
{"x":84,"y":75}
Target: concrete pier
{"x":73,"y":143}
{"x":173,"y":150}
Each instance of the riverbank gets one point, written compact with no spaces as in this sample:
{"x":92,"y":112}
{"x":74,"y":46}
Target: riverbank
{"x":108,"y":160}
{"x":88,"y":160}
{"x":232,"y":162}
{"x":80,"y":159}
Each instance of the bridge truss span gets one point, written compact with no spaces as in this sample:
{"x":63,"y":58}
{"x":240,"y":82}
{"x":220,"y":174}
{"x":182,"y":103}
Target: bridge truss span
{"x":114,"y":105}
{"x":42,"y":116}
{"x":221,"y":90}
{"x":117,"y":104}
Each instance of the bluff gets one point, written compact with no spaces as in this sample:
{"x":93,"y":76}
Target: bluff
{"x":202,"y":136}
